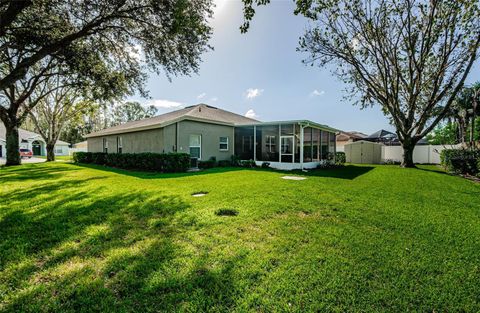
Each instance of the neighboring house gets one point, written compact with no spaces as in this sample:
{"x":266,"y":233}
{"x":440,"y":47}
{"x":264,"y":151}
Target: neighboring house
{"x":32,"y":141}
{"x":347,"y":137}
{"x":388,"y":138}
{"x":80,"y":147}
{"x":204,"y":131}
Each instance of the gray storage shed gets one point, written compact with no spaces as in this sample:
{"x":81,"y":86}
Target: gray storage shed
{"x":363,"y":152}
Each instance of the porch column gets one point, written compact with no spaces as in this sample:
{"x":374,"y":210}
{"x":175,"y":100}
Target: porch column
{"x":254,"y":143}
{"x":301,"y":146}
{"x":279,"y":143}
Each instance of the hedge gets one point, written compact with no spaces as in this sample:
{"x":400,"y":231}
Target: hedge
{"x":158,"y":162}
{"x":340,"y":158}
{"x":461,"y":161}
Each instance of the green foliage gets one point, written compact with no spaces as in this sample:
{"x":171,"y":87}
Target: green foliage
{"x":235,"y":160}
{"x":210,"y":163}
{"x":157,"y":162}
{"x":443,"y":134}
{"x":247,"y":163}
{"x":224,"y":163}
{"x":101,"y":39}
{"x":265,"y":164}
{"x":340,"y":158}
{"x":461,"y":161}
{"x":131,"y":111}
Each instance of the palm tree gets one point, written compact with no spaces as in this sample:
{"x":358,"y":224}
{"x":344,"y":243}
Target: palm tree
{"x":474,"y":111}
{"x":464,"y":112}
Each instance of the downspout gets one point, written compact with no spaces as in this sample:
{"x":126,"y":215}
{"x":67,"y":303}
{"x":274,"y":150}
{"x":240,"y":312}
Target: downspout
{"x":176,"y":136}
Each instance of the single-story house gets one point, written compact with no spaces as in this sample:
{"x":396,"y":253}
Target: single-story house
{"x":32,"y":141}
{"x":344,"y":138}
{"x":80,"y":146}
{"x":204,"y":131}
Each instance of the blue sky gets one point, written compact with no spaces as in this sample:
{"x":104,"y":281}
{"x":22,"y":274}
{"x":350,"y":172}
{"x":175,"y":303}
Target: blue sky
{"x":261,"y":73}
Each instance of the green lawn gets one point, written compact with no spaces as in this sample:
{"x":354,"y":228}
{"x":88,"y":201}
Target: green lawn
{"x":357,"y":239}
{"x":59,"y":157}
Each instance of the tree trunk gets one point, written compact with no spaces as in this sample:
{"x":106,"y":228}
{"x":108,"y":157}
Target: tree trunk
{"x":50,"y":152}
{"x":472,"y":133}
{"x":13,"y":146}
{"x":408,"y":146}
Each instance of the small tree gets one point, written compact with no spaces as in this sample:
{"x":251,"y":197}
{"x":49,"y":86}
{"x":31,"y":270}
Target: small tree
{"x":409,"y":57}
{"x":63,"y":102}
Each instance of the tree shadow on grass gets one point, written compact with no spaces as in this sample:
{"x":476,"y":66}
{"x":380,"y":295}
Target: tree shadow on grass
{"x":349,"y":172}
{"x":80,"y":247}
{"x":32,"y":172}
{"x":157,"y":175}
{"x":346,"y":172}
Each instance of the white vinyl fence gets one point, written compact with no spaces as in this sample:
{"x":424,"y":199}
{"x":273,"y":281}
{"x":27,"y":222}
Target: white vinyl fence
{"x":428,"y":154}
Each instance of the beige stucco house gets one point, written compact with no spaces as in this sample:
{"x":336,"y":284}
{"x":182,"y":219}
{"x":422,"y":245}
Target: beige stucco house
{"x":204,"y":131}
{"x":344,"y":138}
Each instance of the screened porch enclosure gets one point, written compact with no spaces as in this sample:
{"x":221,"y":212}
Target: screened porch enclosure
{"x":285,"y":142}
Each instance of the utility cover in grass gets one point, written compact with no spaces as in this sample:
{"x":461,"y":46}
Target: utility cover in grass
{"x":294,"y":177}
{"x":199,"y":194}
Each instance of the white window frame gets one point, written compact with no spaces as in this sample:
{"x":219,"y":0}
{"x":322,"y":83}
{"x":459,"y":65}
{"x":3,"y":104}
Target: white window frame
{"x":220,"y":143}
{"x":199,"y":146}
{"x":105,"y":145}
{"x":58,"y":150}
{"x":119,"y":144}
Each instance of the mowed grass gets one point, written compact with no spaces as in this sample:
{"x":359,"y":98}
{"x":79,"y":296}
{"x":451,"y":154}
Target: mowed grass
{"x":64,"y":158}
{"x":357,"y":239}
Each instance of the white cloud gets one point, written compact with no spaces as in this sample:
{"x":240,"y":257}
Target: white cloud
{"x":214,"y":99}
{"x":201,"y":96}
{"x":165,"y":104}
{"x":317,"y":93}
{"x":252,"y":93}
{"x":251,"y":114}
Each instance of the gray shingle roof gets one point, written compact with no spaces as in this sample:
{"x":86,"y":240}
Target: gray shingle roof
{"x":24,"y":135}
{"x":382,"y":133}
{"x":200,"y":112}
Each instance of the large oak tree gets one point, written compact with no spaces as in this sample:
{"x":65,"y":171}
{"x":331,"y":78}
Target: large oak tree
{"x":170,"y":34}
{"x":411,"y":57}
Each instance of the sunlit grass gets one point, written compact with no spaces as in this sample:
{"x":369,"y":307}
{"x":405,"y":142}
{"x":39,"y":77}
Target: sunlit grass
{"x":362,"y":238}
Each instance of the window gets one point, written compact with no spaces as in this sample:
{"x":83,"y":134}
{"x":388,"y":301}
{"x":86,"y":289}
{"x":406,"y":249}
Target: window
{"x":58,"y":151}
{"x":119,"y":144}
{"x":271,"y":143}
{"x":105,"y":145}
{"x":196,"y":146}
{"x":223,"y":143}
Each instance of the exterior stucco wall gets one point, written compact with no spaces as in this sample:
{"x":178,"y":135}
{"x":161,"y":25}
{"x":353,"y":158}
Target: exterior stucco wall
{"x":94,"y":144}
{"x":211,"y":134}
{"x":169,"y":134}
{"x":136,"y":142}
{"x":164,"y":140}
